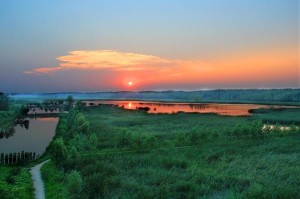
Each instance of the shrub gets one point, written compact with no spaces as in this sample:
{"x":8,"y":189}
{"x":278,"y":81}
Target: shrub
{"x":5,"y":192}
{"x":92,"y":142}
{"x":71,"y":118}
{"x":251,"y":130}
{"x":74,"y":182}
{"x":94,"y":185}
{"x":194,"y":136}
{"x":58,"y":151}
{"x":80,"y":124}
{"x":255,"y":191}
{"x":100,"y":178}
{"x":69,"y":103}
{"x":125,"y":139}
{"x":176,"y":163}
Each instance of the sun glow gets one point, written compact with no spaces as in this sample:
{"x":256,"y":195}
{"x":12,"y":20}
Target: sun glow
{"x":129,"y":71}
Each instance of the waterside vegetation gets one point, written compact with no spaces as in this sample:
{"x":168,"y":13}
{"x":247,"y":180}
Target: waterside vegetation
{"x":115,"y":153}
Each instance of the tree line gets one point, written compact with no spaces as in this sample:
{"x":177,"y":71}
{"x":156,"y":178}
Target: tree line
{"x":14,"y":158}
{"x":255,"y":95}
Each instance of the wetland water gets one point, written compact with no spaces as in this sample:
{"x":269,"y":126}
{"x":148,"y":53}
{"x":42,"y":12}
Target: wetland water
{"x":33,"y":138}
{"x":168,"y":107}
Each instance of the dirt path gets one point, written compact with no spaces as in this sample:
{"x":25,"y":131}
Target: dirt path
{"x":38,"y":183}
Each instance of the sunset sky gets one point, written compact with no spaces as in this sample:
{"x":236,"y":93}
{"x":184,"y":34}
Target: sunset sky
{"x":76,"y":45}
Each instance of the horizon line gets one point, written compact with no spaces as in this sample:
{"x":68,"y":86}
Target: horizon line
{"x":166,"y":90}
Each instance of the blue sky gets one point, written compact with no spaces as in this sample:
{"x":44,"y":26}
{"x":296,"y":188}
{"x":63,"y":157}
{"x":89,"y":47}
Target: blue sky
{"x":35,"y":33}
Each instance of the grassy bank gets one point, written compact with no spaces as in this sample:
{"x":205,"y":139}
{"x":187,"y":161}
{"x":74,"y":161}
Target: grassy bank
{"x":54,"y":182}
{"x":15,"y":182}
{"x":130,"y":154}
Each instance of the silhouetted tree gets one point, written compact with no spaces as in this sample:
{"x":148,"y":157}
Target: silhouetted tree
{"x":6,"y":159}
{"x":2,"y":158}
{"x":4,"y":101}
{"x":14,"y":157}
{"x":22,"y":155}
{"x":10,"y":158}
{"x":24,"y":110}
{"x":19,"y":156}
{"x":79,"y":105}
{"x":69,"y":102}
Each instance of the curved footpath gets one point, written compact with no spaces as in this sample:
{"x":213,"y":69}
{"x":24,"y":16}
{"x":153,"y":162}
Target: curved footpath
{"x":38,"y":183}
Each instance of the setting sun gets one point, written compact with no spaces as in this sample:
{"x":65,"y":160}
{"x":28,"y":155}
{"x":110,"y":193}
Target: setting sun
{"x":130,"y":83}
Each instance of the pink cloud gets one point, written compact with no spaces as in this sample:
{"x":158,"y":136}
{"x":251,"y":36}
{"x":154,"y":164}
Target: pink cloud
{"x":44,"y":70}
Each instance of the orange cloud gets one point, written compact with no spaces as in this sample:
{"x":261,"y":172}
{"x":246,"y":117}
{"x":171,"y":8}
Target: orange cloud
{"x":108,"y":59}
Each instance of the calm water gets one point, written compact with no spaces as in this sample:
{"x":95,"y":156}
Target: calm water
{"x":34,"y":139}
{"x":160,"y":107}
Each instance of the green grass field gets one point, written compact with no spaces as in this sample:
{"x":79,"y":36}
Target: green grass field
{"x":280,"y":116}
{"x":54,"y":182}
{"x":130,"y":154}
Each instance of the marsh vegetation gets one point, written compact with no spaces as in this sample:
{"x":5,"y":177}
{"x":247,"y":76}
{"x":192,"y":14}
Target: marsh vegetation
{"x":110,"y":152}
{"x":118,"y":153}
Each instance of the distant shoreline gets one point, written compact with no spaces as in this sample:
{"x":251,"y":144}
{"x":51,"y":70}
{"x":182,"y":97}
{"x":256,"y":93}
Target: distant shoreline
{"x":289,"y":97}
